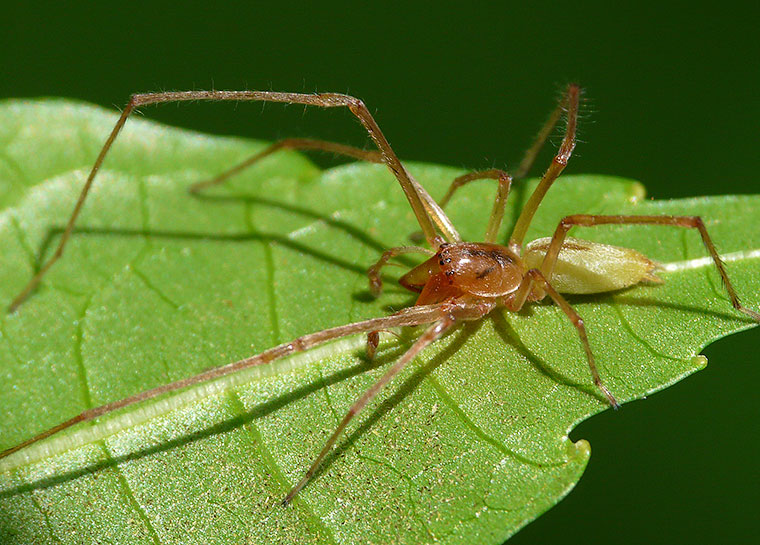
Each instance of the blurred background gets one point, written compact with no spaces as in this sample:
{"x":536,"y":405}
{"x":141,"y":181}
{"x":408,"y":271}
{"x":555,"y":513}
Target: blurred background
{"x":673,"y":102}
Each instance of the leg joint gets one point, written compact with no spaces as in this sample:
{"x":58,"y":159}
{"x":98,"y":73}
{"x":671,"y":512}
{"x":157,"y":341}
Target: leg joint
{"x":505,"y":180}
{"x":697,"y":222}
{"x":574,"y":219}
{"x":536,"y":274}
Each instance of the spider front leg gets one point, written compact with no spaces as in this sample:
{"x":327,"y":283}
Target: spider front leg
{"x":691,"y":222}
{"x":429,"y":215}
{"x":569,"y":104}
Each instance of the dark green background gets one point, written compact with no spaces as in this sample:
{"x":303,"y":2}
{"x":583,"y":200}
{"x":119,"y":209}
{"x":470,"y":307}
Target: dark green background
{"x":673,"y":102}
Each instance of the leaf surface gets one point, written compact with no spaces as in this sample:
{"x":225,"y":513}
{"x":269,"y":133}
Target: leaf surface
{"x":466,"y":446}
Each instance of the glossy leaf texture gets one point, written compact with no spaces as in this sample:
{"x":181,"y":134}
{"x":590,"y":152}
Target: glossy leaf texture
{"x":467,"y":446}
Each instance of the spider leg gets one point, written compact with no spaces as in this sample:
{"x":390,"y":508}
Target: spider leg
{"x":569,"y":103}
{"x":497,"y":212}
{"x":429,"y":215}
{"x":692,"y":222}
{"x":503,"y":177}
{"x":409,"y":317}
{"x":536,"y":277}
{"x":371,"y":156}
{"x":376,"y":285}
{"x":543,"y":135}
{"x":433,"y":333}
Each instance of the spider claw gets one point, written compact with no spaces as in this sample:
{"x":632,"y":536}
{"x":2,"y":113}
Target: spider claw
{"x":751,"y":313}
{"x":611,"y":398}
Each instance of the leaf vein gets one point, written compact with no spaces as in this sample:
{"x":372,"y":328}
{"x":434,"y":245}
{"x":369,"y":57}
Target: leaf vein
{"x":410,"y":487}
{"x":23,"y":242}
{"x":129,"y":496}
{"x":153,"y":288}
{"x":258,"y":443}
{"x":45,"y":517}
{"x":479,"y":432}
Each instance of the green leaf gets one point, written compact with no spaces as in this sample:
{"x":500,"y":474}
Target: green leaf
{"x":467,"y":446}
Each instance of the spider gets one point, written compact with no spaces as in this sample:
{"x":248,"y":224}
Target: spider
{"x":459,"y":281}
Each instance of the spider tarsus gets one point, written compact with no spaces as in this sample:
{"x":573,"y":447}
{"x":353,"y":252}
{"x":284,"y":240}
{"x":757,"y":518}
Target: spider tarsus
{"x":611,"y":398}
{"x":288,"y":499}
{"x":751,"y":313}
{"x":196,"y":187}
{"x":13,"y":307}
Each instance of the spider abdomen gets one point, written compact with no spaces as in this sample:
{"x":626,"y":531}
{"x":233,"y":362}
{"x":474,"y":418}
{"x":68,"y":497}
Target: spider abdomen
{"x":591,"y":267}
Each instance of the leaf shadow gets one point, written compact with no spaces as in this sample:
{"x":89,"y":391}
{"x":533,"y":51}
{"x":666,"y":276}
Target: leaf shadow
{"x":226,"y":425}
{"x":355,"y":232}
{"x":258,"y":236}
{"x":346,"y":227}
{"x":633,"y":300}
{"x":510,"y":336}
{"x":637,"y":297}
{"x":262,"y":410}
{"x":53,"y":234}
{"x":461,"y":334}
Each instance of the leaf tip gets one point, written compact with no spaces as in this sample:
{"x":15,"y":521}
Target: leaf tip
{"x":578,"y":450}
{"x":699,"y":361}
